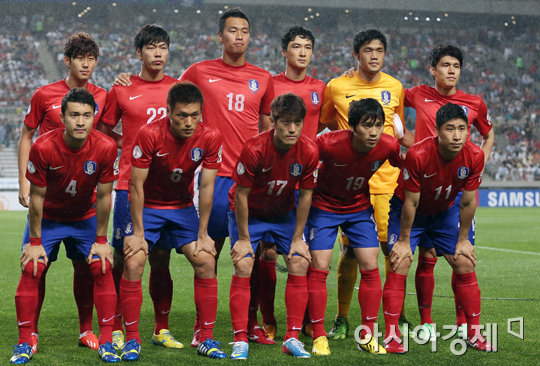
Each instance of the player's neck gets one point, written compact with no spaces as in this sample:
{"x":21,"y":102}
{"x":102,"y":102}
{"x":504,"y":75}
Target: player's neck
{"x":281,"y":148}
{"x":444,"y":91}
{"x":76,"y":83}
{"x":150,"y":76}
{"x":234,"y":60}
{"x":447,"y":154}
{"x":368,"y":76}
{"x":72,"y":143}
{"x":295,"y":74}
{"x":358,"y":146}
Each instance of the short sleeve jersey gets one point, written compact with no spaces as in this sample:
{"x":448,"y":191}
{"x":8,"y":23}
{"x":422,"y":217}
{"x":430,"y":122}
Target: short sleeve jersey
{"x":234,"y":96}
{"x":439,"y":180}
{"x":311,"y":90}
{"x":272,"y":176}
{"x":340,"y":92}
{"x":71,"y":176}
{"x":136,"y":105}
{"x":171,"y":162}
{"x":46,"y":106}
{"x":427,"y":101}
{"x":344,"y":174}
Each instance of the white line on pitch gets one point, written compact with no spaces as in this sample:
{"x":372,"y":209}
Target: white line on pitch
{"x":507,"y":250}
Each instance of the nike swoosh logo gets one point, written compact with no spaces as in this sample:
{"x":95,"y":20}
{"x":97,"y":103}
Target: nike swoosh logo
{"x":56,"y":106}
{"x":160,"y":155}
{"x":131,"y":98}
{"x":213,"y":80}
{"x":58,"y":167}
{"x":266,"y":169}
{"x":340,"y":164}
{"x":315,"y":321}
{"x":424,"y":306}
{"x":107,"y":320}
{"x":387,"y":313}
{"x":429,"y":100}
{"x":349,"y":96}
{"x":132,"y":322}
{"x":429,"y":176}
{"x":205,"y":323}
{"x":476,"y":314}
{"x":23,"y":323}
{"x":295,"y":328}
{"x":165,"y":312}
{"x":238,"y":331}
{"x":371,"y":317}
{"x":118,"y":315}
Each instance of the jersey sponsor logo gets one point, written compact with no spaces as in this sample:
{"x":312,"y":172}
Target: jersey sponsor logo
{"x":31,"y":167}
{"x":315,"y":98}
{"x":90,"y":167}
{"x":56,"y":106}
{"x":386,"y":97}
{"x":220,"y":155}
{"x":405,"y":174}
{"x":196,"y":154}
{"x":116,"y":166}
{"x":253,"y":85}
{"x":213,"y":80}
{"x":376,"y":165}
{"x":312,"y":233}
{"x":465,"y":109}
{"x":349,"y":96}
{"x":296,"y":169}
{"x":240,"y":169}
{"x":135,"y":97}
{"x":137,"y":152}
{"x":463,"y":172}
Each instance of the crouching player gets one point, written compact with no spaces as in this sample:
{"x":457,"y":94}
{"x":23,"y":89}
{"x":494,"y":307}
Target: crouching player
{"x":165,"y":156}
{"x":64,"y":168}
{"x":263,"y":202}
{"x":434,"y":172}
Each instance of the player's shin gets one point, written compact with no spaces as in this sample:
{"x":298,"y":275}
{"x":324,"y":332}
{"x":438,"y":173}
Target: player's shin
{"x":83,"y":285}
{"x":131,"y":295}
{"x":369,"y":296}
{"x":468,"y":294}
{"x":268,"y":290}
{"x":26,"y":299}
{"x":41,"y":298}
{"x":239,"y":306}
{"x":317,"y":299}
{"x":394,"y":287}
{"x":161,"y":291}
{"x":296,"y":298}
{"x":255,"y":293}
{"x":117,"y":276}
{"x":206,"y":300}
{"x":105,"y":300}
{"x":425,"y":285}
{"x":460,"y":315}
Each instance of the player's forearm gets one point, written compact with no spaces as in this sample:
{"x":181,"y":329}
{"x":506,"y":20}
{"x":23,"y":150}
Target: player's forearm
{"x":242,"y":215}
{"x":206,"y":198}
{"x":136,"y":204}
{"x":408,"y":213}
{"x":466,"y":214}
{"x":264,"y":123}
{"x":407,"y":140}
{"x":302,"y":212}
{"x":25,"y":143}
{"x":103,"y":208}
{"x":35,"y":212}
{"x":487,"y":145}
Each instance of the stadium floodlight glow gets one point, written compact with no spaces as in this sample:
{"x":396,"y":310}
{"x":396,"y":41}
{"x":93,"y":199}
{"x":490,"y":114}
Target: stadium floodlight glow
{"x":220,"y":12}
{"x":427,"y":19}
{"x":176,"y":10}
{"x":113,"y":4}
{"x":311,"y":16}
{"x":306,"y":19}
{"x":438,"y":19}
{"x":198,"y":11}
{"x":446,"y":15}
{"x":410,"y":13}
{"x":513,"y":17}
{"x":88,"y":8}
{"x":74,"y":3}
{"x":154,"y":10}
{"x":317,"y":14}
{"x":415,"y":18}
{"x":513,"y":22}
{"x":226,"y":7}
{"x":346,"y":10}
{"x":506,"y":24}
{"x":309,"y":9}
{"x":406,"y":18}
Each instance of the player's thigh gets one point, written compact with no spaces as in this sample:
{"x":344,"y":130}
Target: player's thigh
{"x":361,"y":230}
{"x":472,"y":230}
{"x":122,"y":225}
{"x":381,"y":206}
{"x":394,"y":226}
{"x":218,"y":223}
{"x":257,"y":230}
{"x":51,"y":237}
{"x":444,"y":231}
{"x":322,"y":231}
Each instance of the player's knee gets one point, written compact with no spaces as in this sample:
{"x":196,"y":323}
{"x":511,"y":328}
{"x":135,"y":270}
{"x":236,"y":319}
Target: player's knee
{"x":298,"y":266}
{"x":368,"y":264}
{"x":269,"y":254}
{"x":29,"y":269}
{"x":97,"y":269}
{"x":204,"y":265}
{"x":320,"y":261}
{"x":244,"y":267}
{"x":159,"y":258}
{"x":134,"y":267}
{"x":427,"y":252}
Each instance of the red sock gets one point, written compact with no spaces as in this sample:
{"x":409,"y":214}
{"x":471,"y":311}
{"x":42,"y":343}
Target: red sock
{"x":268,"y":291}
{"x":369,"y":297}
{"x":161,"y":291}
{"x":105,"y":300}
{"x":239,"y":307}
{"x":460,"y":315}
{"x":394,"y":288}
{"x":41,"y":297}
{"x":317,"y":298}
{"x":196,"y":326}
{"x":206,"y":300}
{"x":425,"y":284}
{"x":255,"y":284}
{"x":26,"y":299}
{"x":117,"y":275}
{"x":131,"y":295}
{"x":296,"y":298}
{"x":468,"y":294}
{"x":83,"y":290}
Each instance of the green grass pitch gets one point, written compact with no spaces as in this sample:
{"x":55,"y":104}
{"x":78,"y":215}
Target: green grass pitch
{"x":508,"y":250}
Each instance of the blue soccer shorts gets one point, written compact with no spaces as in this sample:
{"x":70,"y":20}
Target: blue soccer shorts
{"x":218,"y":224}
{"x":181,"y":226}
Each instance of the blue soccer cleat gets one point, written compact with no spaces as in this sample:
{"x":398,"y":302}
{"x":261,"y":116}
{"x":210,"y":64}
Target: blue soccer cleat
{"x":211,"y":348}
{"x":294,"y":347}
{"x":240,"y":351}
{"x":131,"y":351}
{"x":107,"y":353}
{"x":22,"y":354}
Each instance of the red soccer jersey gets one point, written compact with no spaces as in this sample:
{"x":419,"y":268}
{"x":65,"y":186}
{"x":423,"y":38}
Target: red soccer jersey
{"x":234,"y":96}
{"x":172,"y":162}
{"x":427,"y":101}
{"x":46,"y":103}
{"x":273,"y":176}
{"x":439,"y":180}
{"x":137,"y":105}
{"x":311,"y":90}
{"x":344,"y":174}
{"x":71,"y":176}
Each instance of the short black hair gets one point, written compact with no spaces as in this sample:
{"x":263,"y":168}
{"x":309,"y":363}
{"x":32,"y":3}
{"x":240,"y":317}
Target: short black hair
{"x":296,"y":31}
{"x":78,"y":95}
{"x":363,"y":110}
{"x":184,"y":92}
{"x":366,"y":36}
{"x":151,"y":34}
{"x":448,"y":112}
{"x":81,"y":44}
{"x":231,"y":13}
{"x":287,"y":105}
{"x":445,"y":50}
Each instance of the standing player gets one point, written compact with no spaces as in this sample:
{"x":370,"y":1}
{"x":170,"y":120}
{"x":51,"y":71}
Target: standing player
{"x":64,"y":168}
{"x":434,"y":172}
{"x":368,"y":82}
{"x":166,"y":154}
{"x":144,"y":101}
{"x":80,"y":56}
{"x":348,"y":160}
{"x":262,"y":202}
{"x":445,"y":67}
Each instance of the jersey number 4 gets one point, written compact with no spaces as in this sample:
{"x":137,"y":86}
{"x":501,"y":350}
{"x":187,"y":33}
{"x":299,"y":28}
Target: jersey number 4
{"x":72,"y":188}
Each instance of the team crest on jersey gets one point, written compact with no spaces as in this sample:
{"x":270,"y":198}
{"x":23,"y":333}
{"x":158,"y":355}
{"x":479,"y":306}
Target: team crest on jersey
{"x":405,"y":174}
{"x":220,"y":155}
{"x":386,"y":97}
{"x":90,"y":167}
{"x":137,"y":152}
{"x":296,"y":169}
{"x":196,"y":154}
{"x":316,"y":174}
{"x":463,"y":172}
{"x":315,"y":98}
{"x":97,"y":109}
{"x":376,"y":165}
{"x":253,"y":85}
{"x":392,"y":239}
{"x":488,"y":117}
{"x":465,"y":109}
{"x":312,"y":233}
{"x":31,"y":167}
{"x":116,"y":166}
{"x":240,"y":169}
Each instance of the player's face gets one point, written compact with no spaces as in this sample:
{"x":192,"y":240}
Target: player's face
{"x":184,"y":119}
{"x":452,"y":136}
{"x":81,"y":67}
{"x":370,"y":57}
{"x":447,"y":72}
{"x":78,"y":120}
{"x":153,"y":56}
{"x":367,"y":134}
{"x":299,"y":52}
{"x":287,"y":131}
{"x":235,"y":36}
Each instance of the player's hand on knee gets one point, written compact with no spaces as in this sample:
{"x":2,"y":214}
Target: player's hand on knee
{"x":104,"y":252}
{"x":301,"y":248}
{"x":241,"y":249}
{"x":400,"y":251}
{"x":205,"y":244}
{"x":133,"y":244}
{"x":123,"y":79}
{"x":466,"y":249}
{"x":32,"y":253}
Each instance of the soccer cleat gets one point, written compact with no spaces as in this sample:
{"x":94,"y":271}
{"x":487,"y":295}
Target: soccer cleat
{"x":294,"y":347}
{"x":427,"y":333}
{"x":22,"y":354}
{"x":270,"y":329}
{"x":195,"y":340}
{"x":371,"y":346}
{"x":394,"y":347}
{"x":258,"y":335}
{"x":88,"y":339}
{"x":131,"y":351}
{"x":340,"y":329}
{"x":402,"y":321}
{"x":211,"y":348}
{"x":307,"y":330}
{"x":480,"y":344}
{"x":118,"y":340}
{"x":240,"y":350}
{"x":107,"y":353}
{"x":320,"y":346}
{"x":35,"y":341}
{"x":165,"y":339}
{"x":462,"y":331}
